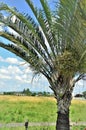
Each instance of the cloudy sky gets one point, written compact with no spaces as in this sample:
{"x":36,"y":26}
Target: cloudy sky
{"x":15,"y":74}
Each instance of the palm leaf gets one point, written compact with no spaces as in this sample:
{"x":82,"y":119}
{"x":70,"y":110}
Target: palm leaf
{"x":49,"y":36}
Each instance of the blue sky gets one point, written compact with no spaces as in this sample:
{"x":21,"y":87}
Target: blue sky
{"x":15,"y":75}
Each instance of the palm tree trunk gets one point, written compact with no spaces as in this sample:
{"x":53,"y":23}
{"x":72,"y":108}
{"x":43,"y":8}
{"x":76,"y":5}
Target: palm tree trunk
{"x":63,"y":121}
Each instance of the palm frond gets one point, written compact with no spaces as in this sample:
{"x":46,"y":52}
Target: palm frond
{"x":30,"y":57}
{"x":28,"y":37}
{"x":47,"y":11}
{"x":67,"y":22}
{"x":41,"y":18}
{"x":26,"y":45}
{"x":48,"y":36}
{"x":23,"y":28}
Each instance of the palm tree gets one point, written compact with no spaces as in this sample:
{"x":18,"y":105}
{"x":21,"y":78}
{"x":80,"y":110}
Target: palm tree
{"x":54,"y":44}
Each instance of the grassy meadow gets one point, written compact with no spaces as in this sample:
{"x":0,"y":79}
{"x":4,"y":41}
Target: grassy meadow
{"x":78,"y":110}
{"x":21,"y":108}
{"x":37,"y":109}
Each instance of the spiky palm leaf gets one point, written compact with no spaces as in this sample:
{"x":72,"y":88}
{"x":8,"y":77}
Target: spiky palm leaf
{"x":45,"y":41}
{"x":51,"y":36}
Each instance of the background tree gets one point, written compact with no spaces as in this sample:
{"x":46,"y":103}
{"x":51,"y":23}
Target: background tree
{"x":54,"y":45}
{"x":27,"y":92}
{"x":84,"y":94}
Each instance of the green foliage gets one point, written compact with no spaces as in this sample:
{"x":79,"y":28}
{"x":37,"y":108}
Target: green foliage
{"x":62,"y":29}
{"x":84,"y":94}
{"x":66,"y":64}
{"x":27,"y":92}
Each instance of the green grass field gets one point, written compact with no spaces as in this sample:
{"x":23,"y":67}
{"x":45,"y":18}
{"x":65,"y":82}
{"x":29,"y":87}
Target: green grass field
{"x":37,"y":109}
{"x":78,"y":110}
{"x":34,"y":109}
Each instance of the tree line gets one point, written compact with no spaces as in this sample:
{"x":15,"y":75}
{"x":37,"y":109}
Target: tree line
{"x":27,"y":92}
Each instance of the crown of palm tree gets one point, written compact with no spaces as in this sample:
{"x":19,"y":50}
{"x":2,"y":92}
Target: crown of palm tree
{"x":54,"y":42}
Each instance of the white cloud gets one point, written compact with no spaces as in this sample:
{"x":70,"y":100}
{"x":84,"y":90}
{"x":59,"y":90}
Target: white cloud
{"x":3,"y":71}
{"x":5,"y":77}
{"x":12,"y":60}
{"x":14,"y":70}
{"x":15,"y":75}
